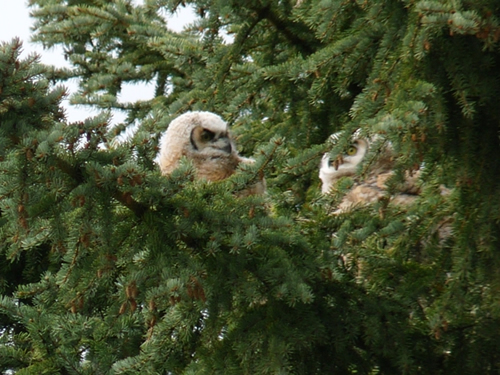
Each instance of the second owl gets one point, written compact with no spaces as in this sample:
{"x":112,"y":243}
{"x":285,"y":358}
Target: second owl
{"x":371,"y":186}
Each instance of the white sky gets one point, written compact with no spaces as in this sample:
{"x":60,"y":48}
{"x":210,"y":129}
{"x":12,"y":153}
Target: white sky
{"x":16,"y":22}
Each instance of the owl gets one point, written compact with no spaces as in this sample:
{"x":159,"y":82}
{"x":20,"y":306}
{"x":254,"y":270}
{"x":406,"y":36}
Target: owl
{"x":204,"y":138}
{"x":371,"y":185}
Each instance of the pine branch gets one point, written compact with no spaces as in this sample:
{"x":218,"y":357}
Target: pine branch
{"x":284,"y":27}
{"x":125,"y":198}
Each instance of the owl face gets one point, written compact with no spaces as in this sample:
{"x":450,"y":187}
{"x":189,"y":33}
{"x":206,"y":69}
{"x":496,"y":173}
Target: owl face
{"x":211,"y":142}
{"x":343,"y":165}
{"x":202,"y":137}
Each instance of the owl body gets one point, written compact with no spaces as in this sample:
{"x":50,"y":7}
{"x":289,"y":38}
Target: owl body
{"x":369,"y":187}
{"x":203,"y":138}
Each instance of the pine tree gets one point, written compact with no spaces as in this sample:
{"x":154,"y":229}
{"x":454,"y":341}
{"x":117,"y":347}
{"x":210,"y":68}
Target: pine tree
{"x":109,"y":267}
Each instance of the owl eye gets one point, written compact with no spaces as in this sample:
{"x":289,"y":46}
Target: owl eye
{"x":352,"y":150}
{"x":207,"y":135}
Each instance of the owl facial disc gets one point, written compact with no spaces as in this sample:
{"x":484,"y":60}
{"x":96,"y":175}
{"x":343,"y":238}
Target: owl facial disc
{"x":343,"y":164}
{"x":204,"y":140}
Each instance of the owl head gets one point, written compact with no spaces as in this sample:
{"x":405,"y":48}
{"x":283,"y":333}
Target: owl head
{"x":203,"y":138}
{"x":343,"y":164}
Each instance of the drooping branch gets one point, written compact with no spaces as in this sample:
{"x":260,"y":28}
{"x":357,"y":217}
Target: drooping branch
{"x":124,"y":198}
{"x":284,"y":27}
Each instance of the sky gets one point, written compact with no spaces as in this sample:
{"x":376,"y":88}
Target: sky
{"x":16,"y":22}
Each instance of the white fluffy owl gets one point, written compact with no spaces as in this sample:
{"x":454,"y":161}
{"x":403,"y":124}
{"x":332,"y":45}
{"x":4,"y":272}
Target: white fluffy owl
{"x":204,"y":138}
{"x":369,"y":187}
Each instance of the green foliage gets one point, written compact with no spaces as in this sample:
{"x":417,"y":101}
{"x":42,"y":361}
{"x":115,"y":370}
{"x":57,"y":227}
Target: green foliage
{"x":109,"y":267}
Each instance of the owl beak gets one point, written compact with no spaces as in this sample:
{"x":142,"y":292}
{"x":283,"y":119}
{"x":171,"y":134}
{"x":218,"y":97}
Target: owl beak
{"x":226,"y":145}
{"x":337,"y":162}
{"x":333,"y":163}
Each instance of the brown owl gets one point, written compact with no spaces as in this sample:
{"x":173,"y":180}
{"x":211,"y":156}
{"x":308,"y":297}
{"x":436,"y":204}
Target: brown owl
{"x":204,"y":138}
{"x":369,"y":187}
